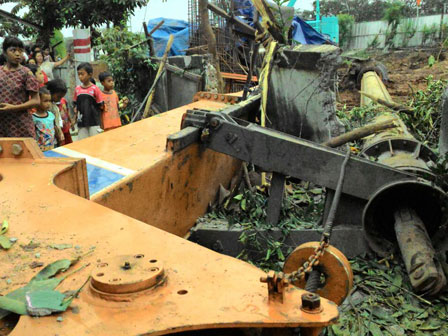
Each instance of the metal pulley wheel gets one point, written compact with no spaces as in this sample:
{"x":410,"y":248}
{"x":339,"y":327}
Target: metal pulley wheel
{"x":336,"y":273}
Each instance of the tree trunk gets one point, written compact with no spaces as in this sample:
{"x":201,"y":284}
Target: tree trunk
{"x":211,"y":41}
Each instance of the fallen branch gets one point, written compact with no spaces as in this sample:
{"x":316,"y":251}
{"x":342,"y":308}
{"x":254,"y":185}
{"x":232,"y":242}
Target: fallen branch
{"x":392,"y":105}
{"x":359,"y":133}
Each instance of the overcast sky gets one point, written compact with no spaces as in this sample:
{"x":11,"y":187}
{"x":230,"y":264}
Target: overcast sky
{"x":173,"y":9}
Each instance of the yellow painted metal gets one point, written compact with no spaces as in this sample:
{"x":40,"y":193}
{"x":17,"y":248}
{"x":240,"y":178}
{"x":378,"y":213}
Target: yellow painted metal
{"x":372,"y":84}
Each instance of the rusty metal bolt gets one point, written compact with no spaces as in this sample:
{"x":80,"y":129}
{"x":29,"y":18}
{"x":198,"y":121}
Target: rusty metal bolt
{"x":310,"y":302}
{"x":127,"y":265}
{"x":17,"y":149}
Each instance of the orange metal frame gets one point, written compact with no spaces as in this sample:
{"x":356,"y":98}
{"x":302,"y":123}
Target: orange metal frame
{"x":173,"y":285}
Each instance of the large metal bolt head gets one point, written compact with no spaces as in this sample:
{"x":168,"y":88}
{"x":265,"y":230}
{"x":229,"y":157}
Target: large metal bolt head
{"x":127,"y":265}
{"x":310,"y":302}
{"x":16,"y":149}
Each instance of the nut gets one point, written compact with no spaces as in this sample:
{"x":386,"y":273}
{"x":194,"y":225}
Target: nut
{"x":126,"y":266}
{"x":310,"y":302}
{"x":16,"y":149}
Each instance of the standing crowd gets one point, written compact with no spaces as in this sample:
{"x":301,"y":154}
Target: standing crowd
{"x":32,"y":102}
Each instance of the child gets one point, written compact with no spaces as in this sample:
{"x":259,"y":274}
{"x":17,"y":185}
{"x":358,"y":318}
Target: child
{"x":110,"y":118}
{"x":58,"y":90}
{"x":44,"y":121}
{"x":18,"y":92}
{"x":37,"y":72}
{"x":88,"y":103}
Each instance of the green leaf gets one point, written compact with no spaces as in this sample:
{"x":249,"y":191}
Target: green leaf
{"x":45,"y":302}
{"x":5,"y":242}
{"x":238,"y":197}
{"x":431,"y":61}
{"x":375,"y":330}
{"x":5,"y":227}
{"x":243,"y":204}
{"x":52,"y":269}
{"x":19,"y":294}
{"x":10,"y":305}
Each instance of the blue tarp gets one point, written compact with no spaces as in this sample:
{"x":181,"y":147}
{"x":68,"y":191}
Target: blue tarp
{"x":302,"y":31}
{"x":244,"y":8}
{"x":305,"y":34}
{"x":178,"y":28}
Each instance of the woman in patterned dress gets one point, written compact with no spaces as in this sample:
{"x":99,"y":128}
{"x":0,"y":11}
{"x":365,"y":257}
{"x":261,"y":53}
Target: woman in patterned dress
{"x":18,"y":92}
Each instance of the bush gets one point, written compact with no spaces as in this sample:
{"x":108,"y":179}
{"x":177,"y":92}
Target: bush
{"x":346,"y":23}
{"x":393,"y":16}
{"x":130,"y":67}
{"x":408,"y":29}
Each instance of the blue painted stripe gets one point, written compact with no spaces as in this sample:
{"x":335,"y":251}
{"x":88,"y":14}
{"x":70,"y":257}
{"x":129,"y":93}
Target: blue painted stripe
{"x":99,"y":178}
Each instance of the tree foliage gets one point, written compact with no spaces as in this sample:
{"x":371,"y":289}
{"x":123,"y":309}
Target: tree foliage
{"x":56,"y":14}
{"x":346,"y":23}
{"x":128,"y":62}
{"x":393,"y":16}
{"x":374,"y":10}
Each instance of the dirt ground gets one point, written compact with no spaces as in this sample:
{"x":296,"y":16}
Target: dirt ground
{"x":407,"y":70}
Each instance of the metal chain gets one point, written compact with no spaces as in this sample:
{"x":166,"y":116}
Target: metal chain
{"x":313,"y":260}
{"x":308,"y":265}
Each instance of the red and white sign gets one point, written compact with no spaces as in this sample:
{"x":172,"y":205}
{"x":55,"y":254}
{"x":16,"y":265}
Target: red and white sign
{"x":81,"y":45}
{"x":81,"y":48}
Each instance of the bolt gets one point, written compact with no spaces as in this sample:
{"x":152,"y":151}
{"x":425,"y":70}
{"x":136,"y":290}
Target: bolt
{"x":216,"y":97}
{"x":214,"y":122}
{"x":310,"y":302}
{"x":17,"y":149}
{"x":418,"y":273}
{"x":126,"y":266}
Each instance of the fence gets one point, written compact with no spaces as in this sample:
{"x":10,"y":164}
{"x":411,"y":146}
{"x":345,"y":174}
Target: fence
{"x":373,"y":34}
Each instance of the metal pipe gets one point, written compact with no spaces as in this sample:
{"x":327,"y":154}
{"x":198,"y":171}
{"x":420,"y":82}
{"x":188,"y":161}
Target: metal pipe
{"x":402,"y":213}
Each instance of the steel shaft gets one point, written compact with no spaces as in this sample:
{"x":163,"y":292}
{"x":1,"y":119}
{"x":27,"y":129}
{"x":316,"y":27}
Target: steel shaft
{"x":418,"y":254}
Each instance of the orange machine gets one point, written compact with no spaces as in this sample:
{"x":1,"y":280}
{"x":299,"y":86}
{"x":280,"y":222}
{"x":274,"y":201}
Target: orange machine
{"x":141,"y":279}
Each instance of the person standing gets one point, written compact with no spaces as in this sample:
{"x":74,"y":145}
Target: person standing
{"x":88,"y":103}
{"x":110,"y":118}
{"x":18,"y":92}
{"x":47,"y":66}
{"x":45,"y":122}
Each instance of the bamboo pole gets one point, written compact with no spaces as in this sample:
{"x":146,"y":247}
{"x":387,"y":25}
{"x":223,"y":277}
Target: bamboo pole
{"x":158,"y":75}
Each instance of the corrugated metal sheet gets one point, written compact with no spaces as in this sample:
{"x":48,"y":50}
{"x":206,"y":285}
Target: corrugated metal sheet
{"x":364,"y":33}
